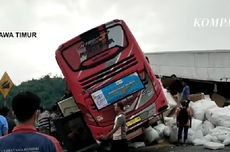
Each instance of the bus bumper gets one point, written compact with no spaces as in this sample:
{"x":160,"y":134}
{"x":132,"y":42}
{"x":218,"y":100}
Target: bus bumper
{"x":97,"y":131}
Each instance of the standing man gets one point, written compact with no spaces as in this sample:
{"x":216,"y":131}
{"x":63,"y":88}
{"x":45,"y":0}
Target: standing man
{"x":25,"y":136}
{"x":183,"y":118}
{"x":44,"y":125}
{"x":185,"y":92}
{"x":4,"y":111}
{"x":3,"y":125}
{"x":118,"y":133}
{"x":54,"y":116}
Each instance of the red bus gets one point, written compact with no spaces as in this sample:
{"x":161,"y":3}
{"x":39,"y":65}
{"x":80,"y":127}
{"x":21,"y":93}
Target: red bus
{"x":104,"y":66}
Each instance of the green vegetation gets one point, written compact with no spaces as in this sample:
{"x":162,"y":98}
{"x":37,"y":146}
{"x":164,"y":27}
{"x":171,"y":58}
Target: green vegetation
{"x":50,"y":90}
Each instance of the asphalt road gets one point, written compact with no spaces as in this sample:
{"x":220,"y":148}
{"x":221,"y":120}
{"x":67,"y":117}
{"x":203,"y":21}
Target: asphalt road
{"x":173,"y":148}
{"x":166,"y":147}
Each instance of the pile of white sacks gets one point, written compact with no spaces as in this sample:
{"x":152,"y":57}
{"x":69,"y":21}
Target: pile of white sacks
{"x":210,"y":126}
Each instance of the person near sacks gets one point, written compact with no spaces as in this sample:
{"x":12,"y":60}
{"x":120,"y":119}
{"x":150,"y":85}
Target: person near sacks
{"x":185,"y":92}
{"x":183,"y":119}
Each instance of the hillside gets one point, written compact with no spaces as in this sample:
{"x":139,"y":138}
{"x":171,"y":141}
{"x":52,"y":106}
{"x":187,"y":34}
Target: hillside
{"x":50,"y":90}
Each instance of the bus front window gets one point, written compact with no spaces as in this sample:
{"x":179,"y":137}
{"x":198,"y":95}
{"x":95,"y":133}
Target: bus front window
{"x":93,"y":43}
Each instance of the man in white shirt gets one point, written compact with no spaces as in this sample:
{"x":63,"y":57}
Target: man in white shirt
{"x":118,"y":133}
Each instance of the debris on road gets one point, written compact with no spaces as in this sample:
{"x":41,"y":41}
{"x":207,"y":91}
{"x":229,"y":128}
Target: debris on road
{"x":210,"y":125}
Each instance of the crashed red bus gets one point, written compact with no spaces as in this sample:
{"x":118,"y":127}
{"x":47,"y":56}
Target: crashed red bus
{"x":104,"y":66}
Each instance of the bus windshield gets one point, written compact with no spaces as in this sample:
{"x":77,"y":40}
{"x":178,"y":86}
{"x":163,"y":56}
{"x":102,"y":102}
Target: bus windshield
{"x":93,"y":43}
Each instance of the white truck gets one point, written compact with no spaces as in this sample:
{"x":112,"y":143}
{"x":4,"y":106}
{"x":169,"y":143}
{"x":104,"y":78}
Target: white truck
{"x":206,"y":70}
{"x":210,"y":65}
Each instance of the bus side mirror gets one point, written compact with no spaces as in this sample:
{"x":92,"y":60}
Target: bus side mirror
{"x":147,"y":59}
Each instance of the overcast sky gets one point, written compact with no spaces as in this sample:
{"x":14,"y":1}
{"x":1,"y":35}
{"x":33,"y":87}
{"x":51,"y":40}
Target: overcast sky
{"x":158,"y":25}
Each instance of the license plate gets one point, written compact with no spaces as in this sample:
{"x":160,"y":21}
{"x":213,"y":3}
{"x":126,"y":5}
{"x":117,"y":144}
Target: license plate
{"x":133,"y":121}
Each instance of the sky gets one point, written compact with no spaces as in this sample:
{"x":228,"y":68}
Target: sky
{"x":157,"y":25}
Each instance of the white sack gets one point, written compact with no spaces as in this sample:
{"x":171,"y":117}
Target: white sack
{"x":171,"y":102}
{"x":219,"y":116}
{"x":199,"y":142}
{"x":215,"y":139}
{"x":170,"y":121}
{"x":190,"y":136}
{"x":207,"y":97}
{"x":174,"y":133}
{"x":227,"y":141}
{"x":196,"y":124}
{"x":211,"y":138}
{"x":195,"y":131}
{"x":207,"y":126}
{"x":167,"y":131}
{"x":136,"y":144}
{"x":151,"y":134}
{"x":200,"y":107}
{"x":193,"y":135}
{"x":213,"y":145}
{"x":160,"y":129}
{"x":208,"y":137}
{"x":220,"y":132}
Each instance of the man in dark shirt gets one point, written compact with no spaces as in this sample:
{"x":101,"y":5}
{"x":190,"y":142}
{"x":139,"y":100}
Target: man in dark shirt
{"x":25,"y":137}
